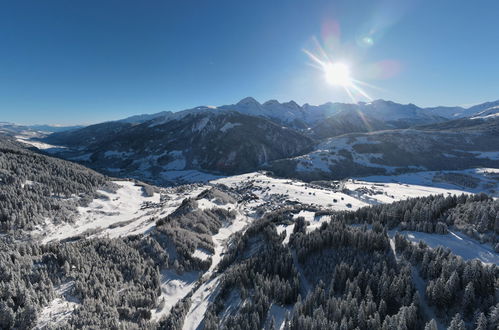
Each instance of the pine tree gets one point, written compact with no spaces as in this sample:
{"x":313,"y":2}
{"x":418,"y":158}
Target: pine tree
{"x":431,"y":325}
{"x":457,"y":323}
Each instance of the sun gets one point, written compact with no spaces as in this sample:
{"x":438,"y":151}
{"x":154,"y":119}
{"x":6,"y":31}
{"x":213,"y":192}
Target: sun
{"x":337,"y":74}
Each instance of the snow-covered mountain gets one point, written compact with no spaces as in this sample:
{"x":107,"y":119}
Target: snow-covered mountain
{"x":491,"y":112}
{"x":305,"y":116}
{"x":221,"y":142}
{"x":248,"y":135}
{"x":452,"y":145}
{"x":33,"y":130}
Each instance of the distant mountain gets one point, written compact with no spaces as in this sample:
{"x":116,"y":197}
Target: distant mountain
{"x":33,"y":130}
{"x":144,"y":117}
{"x":451,"y":145}
{"x":307,"y":116}
{"x":460,"y":112}
{"x":223,"y":142}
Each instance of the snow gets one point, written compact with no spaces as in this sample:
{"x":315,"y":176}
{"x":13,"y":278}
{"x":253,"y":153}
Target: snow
{"x":229,"y":126}
{"x":288,"y":229}
{"x":278,"y":313}
{"x":201,"y":254}
{"x":59,"y":309}
{"x":209,"y":289}
{"x":493,"y":155}
{"x":120,"y":207}
{"x":174,"y":287}
{"x":390,"y":192}
{"x":423,"y":182}
{"x":328,"y":153}
{"x":188,"y":176}
{"x":492,"y":112}
{"x":269,"y":188}
{"x":177,"y":164}
{"x":40,"y":145}
{"x":458,"y":243}
{"x":201,"y":124}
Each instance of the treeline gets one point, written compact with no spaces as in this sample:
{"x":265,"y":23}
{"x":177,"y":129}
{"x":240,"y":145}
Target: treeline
{"x":34,"y":187}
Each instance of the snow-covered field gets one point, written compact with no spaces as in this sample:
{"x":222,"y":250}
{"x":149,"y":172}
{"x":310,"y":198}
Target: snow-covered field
{"x":40,"y":145}
{"x":126,"y":212}
{"x":487,"y":178}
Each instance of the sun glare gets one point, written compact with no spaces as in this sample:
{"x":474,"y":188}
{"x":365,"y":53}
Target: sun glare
{"x":337,"y":74}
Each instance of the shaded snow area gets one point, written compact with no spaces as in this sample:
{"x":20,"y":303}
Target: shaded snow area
{"x":229,"y":126}
{"x":458,"y":243}
{"x":277,"y":316}
{"x":174,"y":287}
{"x":58,"y":309}
{"x":126,"y":212}
{"x":187,"y":176}
{"x":332,"y":151}
{"x":40,"y":145}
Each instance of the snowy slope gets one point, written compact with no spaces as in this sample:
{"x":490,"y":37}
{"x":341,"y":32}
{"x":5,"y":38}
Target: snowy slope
{"x":126,"y":212}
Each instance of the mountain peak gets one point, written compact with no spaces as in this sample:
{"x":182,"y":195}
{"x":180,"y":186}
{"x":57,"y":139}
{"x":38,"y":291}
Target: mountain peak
{"x":271,"y":102}
{"x":247,"y":101}
{"x":292,"y":104}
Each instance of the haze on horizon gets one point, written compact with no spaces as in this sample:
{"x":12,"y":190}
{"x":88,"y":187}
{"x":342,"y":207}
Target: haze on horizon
{"x":83,"y":62}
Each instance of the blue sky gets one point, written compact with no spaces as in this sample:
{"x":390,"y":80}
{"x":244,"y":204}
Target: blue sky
{"x":70,"y":62}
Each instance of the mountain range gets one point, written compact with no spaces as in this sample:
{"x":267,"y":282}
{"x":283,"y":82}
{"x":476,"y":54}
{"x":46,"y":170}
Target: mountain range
{"x":332,"y":140}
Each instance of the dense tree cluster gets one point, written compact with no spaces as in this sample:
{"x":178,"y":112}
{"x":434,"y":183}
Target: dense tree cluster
{"x":356,"y":281}
{"x":189,"y":228}
{"x":475,"y":215}
{"x":110,"y":282}
{"x":459,"y":179}
{"x":24,"y":287}
{"x":454,"y":285}
{"x":34,"y":187}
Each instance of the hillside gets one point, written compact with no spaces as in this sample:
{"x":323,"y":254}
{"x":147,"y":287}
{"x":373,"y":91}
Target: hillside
{"x":227,"y":142}
{"x":453,"y":145}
